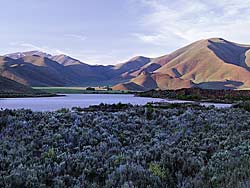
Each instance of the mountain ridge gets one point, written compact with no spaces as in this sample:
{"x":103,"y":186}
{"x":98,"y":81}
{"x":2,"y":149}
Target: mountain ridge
{"x":213,"y":63}
{"x":210,"y":61}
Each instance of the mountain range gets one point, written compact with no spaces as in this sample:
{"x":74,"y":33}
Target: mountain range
{"x":213,"y":63}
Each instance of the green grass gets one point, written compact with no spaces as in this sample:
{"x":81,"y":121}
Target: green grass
{"x":78,"y":90}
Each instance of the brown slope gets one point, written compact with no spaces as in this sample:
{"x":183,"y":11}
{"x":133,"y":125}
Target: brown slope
{"x":164,"y":81}
{"x":213,"y":63}
{"x":149,"y":67}
{"x":157,"y":63}
{"x":161,"y":81}
{"x":228,"y":52}
{"x":130,"y":86}
{"x":148,"y":81}
{"x":66,"y":60}
{"x":209,"y":60}
{"x":145,"y":80}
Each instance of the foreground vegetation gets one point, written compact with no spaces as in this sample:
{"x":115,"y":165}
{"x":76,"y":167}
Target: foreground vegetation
{"x":197,"y":94}
{"x":178,"y":145}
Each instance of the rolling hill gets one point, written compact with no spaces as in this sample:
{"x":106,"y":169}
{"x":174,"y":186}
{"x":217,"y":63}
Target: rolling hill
{"x":41,"y":69}
{"x":213,"y":63}
{"x":34,"y":70}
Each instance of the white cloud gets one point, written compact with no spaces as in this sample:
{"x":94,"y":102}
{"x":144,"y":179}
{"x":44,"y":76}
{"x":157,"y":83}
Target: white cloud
{"x":186,"y":21}
{"x":155,"y":39}
{"x":95,"y":58}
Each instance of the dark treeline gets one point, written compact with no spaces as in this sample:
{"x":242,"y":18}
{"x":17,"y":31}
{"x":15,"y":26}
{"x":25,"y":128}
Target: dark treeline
{"x":200,"y":94}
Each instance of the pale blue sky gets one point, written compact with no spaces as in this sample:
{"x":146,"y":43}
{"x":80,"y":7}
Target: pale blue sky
{"x":112,"y":31}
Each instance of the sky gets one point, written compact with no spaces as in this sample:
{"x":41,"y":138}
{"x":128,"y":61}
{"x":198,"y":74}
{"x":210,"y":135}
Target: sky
{"x":113,"y":31}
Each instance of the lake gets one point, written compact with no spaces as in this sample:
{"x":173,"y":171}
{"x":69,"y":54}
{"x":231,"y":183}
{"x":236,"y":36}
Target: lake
{"x":82,"y":100}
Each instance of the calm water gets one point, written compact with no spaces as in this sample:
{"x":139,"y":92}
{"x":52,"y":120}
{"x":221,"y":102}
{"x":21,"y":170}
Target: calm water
{"x":80,"y":100}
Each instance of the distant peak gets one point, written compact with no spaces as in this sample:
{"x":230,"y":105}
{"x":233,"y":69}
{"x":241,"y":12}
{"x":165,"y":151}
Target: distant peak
{"x":65,"y":57}
{"x":18,"y":55}
{"x":210,"y":41}
{"x":138,"y":58}
{"x":66,"y":60}
{"x":42,"y":54}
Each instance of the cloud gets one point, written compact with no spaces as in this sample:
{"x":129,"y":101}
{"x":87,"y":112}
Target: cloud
{"x":155,"y":39}
{"x":78,"y":37}
{"x":95,"y":58}
{"x":186,"y":21}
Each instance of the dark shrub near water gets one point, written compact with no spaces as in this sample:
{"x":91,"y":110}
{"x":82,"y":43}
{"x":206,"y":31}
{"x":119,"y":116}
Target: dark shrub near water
{"x":198,"y":94}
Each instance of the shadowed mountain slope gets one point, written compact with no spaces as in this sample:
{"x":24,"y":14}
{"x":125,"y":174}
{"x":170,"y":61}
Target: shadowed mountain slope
{"x":132,"y":65}
{"x":10,"y":88}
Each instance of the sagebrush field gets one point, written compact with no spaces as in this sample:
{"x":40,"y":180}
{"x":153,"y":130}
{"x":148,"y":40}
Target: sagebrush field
{"x":126,"y":146}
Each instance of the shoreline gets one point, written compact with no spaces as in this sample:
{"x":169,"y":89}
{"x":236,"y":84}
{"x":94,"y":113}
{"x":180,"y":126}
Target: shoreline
{"x":193,"y":101}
